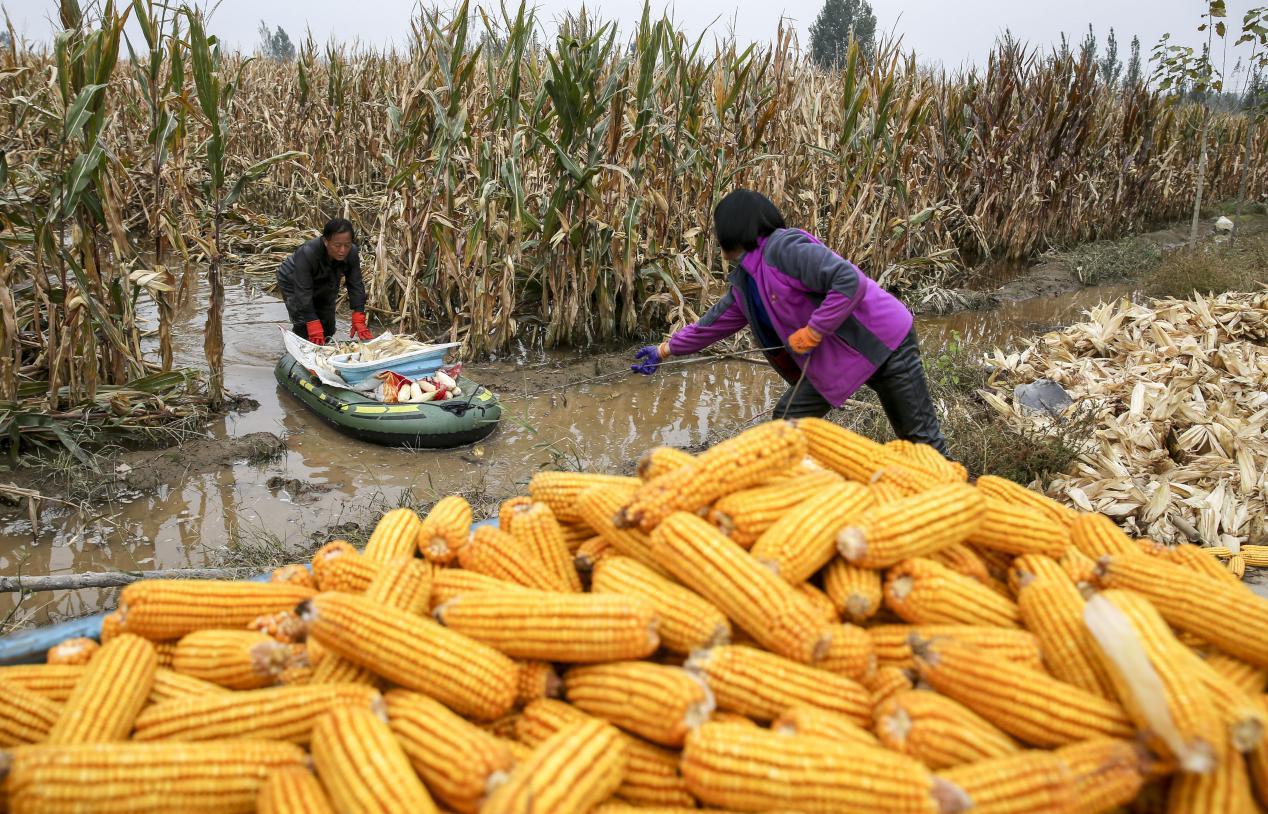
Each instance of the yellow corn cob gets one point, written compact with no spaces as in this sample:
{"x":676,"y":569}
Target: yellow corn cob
{"x":292,"y":790}
{"x":885,"y":681}
{"x":403,"y":583}
{"x":1221,"y":791}
{"x":348,"y":571}
{"x":736,"y":463}
{"x":923,"y":592}
{"x":1255,"y":555}
{"x":925,"y":459}
{"x":849,"y":653}
{"x":1188,"y":555}
{"x":459,"y":762}
{"x":618,"y":807}
{"x":938,"y":731}
{"x":1106,"y":773}
{"x":326,"y":555}
{"x":1196,"y":604}
{"x":415,"y":653}
{"x":1079,"y":567}
{"x":804,"y":539}
{"x":1027,"y":782}
{"x":852,"y":455}
{"x":814,"y":722}
{"x":503,"y":727}
{"x":885,"y":493}
{"x":296,"y":675}
{"x":539,"y":533}
{"x":556,"y":627}
{"x":170,"y":608}
{"x":723,"y":717}
{"x":445,"y":529}
{"x":913,"y":527}
{"x":854,"y":591}
{"x":561,"y":491}
{"x":109,"y":695}
{"x":507,"y":510}
{"x":72,"y":651}
{"x":892,"y":643}
{"x":997,"y":562}
{"x":687,"y":622}
{"x":752,"y":596}
{"x":1052,"y":608}
{"x":52,"y":681}
{"x":962,"y":559}
{"x":1025,"y":703}
{"x":295,"y":573}
{"x":1257,"y":767}
{"x":820,"y":601}
{"x":276,"y":713}
{"x":659,"y":460}
{"x":592,"y":552}
{"x":219,"y":777}
{"x":755,"y":769}
{"x":362,"y":765}
{"x":394,"y":536}
{"x":1247,"y":677}
{"x":762,"y":685}
{"x":1017,"y":530}
{"x":447,"y":583}
{"x":906,"y":480}
{"x":170,"y":685}
{"x":519,"y":751}
{"x":1242,"y":713}
{"x":497,"y":554}
{"x":598,"y":507}
{"x":111,"y":626}
{"x":1237,"y":566}
{"x":745,"y":515}
{"x":1019,"y":495}
{"x":335,"y":669}
{"x":658,"y":702}
{"x":574,"y":769}
{"x":575,"y":534}
{"x":237,"y":659}
{"x":537,"y":679}
{"x":651,"y":778}
{"x":1096,"y":536}
{"x":283,"y":626}
{"x":25,"y":716}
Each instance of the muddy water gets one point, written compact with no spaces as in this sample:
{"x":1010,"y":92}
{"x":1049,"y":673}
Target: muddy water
{"x":598,"y":425}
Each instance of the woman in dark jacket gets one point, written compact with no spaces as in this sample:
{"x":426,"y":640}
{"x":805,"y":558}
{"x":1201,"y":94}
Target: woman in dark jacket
{"x":310,"y":279}
{"x":833,"y":328}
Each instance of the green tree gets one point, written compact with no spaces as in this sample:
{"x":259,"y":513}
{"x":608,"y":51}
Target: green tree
{"x":1110,"y":66}
{"x":276,"y":45}
{"x":838,"y":21}
{"x":1133,"y":76}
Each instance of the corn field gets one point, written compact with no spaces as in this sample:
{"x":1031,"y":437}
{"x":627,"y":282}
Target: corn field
{"x":513,"y":188}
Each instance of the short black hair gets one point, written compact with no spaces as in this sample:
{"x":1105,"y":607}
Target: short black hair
{"x":339,"y":226}
{"x":744,"y":216}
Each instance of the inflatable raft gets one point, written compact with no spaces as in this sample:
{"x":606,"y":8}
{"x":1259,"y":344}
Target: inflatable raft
{"x":432,"y":425}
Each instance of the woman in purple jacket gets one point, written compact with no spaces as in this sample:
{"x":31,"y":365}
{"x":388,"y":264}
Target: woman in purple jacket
{"x":834,"y":329}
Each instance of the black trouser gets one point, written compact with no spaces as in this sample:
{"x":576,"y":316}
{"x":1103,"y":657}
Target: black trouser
{"x":903,"y":392}
{"x":323,"y":305}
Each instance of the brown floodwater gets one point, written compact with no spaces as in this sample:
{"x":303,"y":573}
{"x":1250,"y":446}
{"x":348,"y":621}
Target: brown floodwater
{"x":600,"y":425}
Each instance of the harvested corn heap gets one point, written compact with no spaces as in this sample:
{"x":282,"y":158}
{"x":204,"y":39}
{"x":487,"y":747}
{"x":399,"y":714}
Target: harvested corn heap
{"x":1179,"y":391}
{"x":929,"y":646}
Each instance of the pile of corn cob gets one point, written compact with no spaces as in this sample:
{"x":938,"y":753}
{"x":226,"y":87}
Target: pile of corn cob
{"x":798,"y":619}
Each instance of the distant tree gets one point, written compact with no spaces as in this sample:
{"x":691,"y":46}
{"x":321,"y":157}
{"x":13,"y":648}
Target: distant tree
{"x":1133,"y":77}
{"x":277,"y":44}
{"x":1111,"y":67}
{"x":838,"y":21}
{"x":1087,"y":48}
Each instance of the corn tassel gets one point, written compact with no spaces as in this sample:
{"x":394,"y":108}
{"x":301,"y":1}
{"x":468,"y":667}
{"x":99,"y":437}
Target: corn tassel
{"x":574,"y":769}
{"x":913,"y":527}
{"x":497,"y":554}
{"x":687,"y":622}
{"x":415,"y":653}
{"x":216,"y":777}
{"x":814,"y":722}
{"x":170,"y":608}
{"x":362,"y":765}
{"x":755,"y":599}
{"x":755,"y":769}
{"x":445,"y":529}
{"x":804,"y":539}
{"x":539,"y":533}
{"x":25,"y":716}
{"x":851,"y":455}
{"x":938,"y":731}
{"x":854,"y":591}
{"x":459,"y":762}
{"x":276,"y":713}
{"x":1024,"y":703}
{"x":892,"y":643}
{"x":659,"y":460}
{"x":923,"y":592}
{"x":72,"y":651}
{"x":1107,"y":773}
{"x":561,"y":491}
{"x":109,"y":695}
{"x":657,"y":702}
{"x":394,"y":536}
{"x":762,"y":685}
{"x":1031,"y":782}
{"x":573,"y":628}
{"x":292,"y":790}
{"x":745,"y":515}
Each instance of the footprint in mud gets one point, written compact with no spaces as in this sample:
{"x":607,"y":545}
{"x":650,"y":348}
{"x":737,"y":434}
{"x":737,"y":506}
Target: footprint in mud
{"x":294,"y":488}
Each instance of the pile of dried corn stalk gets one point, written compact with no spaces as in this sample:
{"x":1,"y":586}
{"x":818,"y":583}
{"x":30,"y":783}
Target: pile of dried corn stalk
{"x":1180,"y":394}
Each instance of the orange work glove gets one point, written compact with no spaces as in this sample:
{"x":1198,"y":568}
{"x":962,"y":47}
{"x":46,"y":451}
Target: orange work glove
{"x":804,"y":340}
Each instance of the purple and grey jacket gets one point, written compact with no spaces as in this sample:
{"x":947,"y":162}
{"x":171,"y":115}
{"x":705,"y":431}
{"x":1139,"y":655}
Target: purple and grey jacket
{"x":802,"y":282}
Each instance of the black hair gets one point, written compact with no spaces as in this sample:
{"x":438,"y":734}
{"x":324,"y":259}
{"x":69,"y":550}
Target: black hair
{"x":339,"y":226}
{"x":742,"y":217}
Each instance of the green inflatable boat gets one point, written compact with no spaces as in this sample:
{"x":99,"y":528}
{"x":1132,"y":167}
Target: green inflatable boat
{"x":450,"y":423}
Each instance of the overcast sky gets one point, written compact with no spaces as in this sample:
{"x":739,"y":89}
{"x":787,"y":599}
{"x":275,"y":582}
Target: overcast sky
{"x":950,"y":32}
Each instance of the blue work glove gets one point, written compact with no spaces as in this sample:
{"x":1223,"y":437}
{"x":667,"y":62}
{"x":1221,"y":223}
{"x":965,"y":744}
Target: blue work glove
{"x":651,"y":357}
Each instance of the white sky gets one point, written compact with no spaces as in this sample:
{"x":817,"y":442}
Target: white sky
{"x":952,"y":32}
